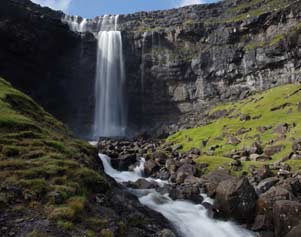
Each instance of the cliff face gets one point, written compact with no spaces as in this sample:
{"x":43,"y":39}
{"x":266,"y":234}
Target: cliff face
{"x":178,"y":61}
{"x":40,"y":56}
{"x":195,"y":56}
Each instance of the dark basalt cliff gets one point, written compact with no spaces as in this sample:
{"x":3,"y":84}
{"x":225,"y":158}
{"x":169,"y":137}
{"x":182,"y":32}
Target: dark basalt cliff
{"x":178,"y":61}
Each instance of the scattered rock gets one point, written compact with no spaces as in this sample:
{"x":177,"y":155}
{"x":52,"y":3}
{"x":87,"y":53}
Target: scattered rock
{"x":281,"y":128}
{"x":272,"y":150}
{"x":245,"y":117}
{"x":233,"y":140}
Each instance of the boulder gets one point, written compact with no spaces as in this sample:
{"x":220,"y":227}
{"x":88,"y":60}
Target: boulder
{"x":256,"y":148}
{"x":186,"y":192}
{"x":272,"y":150}
{"x":124,"y":161}
{"x":150,"y":167}
{"x":171,"y":165}
{"x":245,"y":117}
{"x":232,"y":140}
{"x":266,"y":184}
{"x":266,"y":200}
{"x":281,"y":128}
{"x":212,"y":180}
{"x":297,"y":145}
{"x":236,"y":198}
{"x":264,"y":172}
{"x":286,"y":214}
{"x":142,"y":184}
{"x":166,"y":233}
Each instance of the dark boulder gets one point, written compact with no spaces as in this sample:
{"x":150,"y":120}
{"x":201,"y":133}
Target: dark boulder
{"x":286,"y":215}
{"x":212,"y":180}
{"x":266,"y":184}
{"x":236,"y":198}
{"x":124,"y":161}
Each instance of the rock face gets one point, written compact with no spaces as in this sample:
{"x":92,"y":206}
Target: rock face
{"x":178,"y":61}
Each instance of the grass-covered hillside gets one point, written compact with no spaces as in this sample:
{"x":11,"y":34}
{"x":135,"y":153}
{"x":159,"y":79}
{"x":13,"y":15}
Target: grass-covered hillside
{"x":258,"y":130}
{"x":44,"y":172}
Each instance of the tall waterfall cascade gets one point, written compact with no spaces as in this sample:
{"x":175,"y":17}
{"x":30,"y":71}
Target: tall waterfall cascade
{"x":110,"y":116}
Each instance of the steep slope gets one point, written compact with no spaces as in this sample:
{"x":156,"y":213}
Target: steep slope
{"x":52,"y":184}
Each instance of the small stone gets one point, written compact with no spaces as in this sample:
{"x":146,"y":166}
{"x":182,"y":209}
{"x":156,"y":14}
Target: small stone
{"x":233,"y":140}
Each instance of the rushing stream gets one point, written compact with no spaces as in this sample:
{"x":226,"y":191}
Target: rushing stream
{"x":189,"y":219}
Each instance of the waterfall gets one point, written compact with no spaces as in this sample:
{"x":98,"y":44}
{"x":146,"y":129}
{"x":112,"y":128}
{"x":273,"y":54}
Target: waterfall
{"x":110,"y":116}
{"x":110,"y":106}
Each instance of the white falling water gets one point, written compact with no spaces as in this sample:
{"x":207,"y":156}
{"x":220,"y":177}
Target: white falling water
{"x":189,"y":219}
{"x":75,"y":23}
{"x":110,"y":107}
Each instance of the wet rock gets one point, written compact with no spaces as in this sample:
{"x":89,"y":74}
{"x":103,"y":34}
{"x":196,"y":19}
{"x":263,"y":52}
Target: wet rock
{"x":186,"y":191}
{"x":237,"y":199}
{"x":286,"y":215}
{"x":142,"y":184}
{"x":123,"y":162}
{"x":150,"y":167}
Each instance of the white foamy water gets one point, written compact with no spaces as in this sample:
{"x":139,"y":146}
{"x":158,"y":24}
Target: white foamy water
{"x":110,"y":107}
{"x":110,"y":116}
{"x":189,"y":219}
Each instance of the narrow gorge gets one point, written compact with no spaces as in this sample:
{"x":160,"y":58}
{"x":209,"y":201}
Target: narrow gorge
{"x":181,"y":122}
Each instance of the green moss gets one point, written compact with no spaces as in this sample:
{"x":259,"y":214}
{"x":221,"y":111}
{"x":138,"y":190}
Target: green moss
{"x":258,"y":105}
{"x":39,"y":156}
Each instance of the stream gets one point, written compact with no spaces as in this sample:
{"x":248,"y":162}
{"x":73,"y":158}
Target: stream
{"x":188,"y":219}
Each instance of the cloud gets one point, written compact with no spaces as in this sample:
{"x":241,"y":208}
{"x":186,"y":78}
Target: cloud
{"x":183,"y":3}
{"x":54,"y":4}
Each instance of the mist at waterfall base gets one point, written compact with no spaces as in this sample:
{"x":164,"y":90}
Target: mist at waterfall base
{"x":188,"y":219}
{"x":110,"y":114}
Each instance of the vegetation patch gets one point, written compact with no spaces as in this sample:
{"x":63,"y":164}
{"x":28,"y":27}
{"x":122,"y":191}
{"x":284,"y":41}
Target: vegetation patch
{"x":248,"y":121}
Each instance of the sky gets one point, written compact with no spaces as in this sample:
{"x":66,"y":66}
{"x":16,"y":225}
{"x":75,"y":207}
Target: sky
{"x":93,"y":8}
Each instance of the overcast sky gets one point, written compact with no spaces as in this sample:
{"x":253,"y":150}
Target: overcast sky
{"x":92,"y":8}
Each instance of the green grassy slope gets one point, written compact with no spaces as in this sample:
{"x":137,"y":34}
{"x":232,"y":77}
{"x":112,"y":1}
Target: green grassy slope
{"x":262,"y":108}
{"x":41,"y":166}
